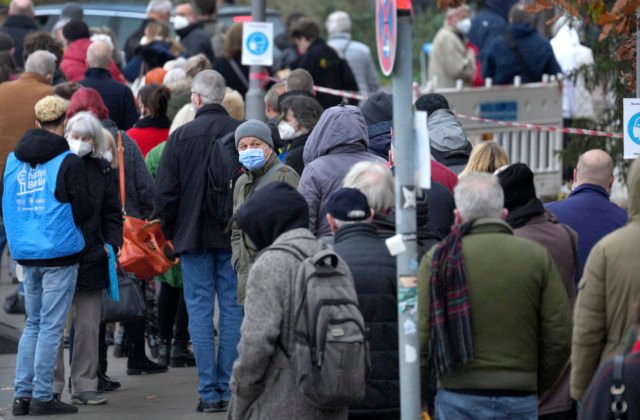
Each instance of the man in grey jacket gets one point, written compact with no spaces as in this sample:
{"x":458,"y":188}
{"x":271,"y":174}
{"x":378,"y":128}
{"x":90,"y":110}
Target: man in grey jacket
{"x":263,"y":381}
{"x":357,"y":54}
{"x":337,"y":142}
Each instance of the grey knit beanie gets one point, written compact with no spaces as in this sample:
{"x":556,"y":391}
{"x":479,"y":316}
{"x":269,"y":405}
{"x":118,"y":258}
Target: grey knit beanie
{"x":254,"y":128}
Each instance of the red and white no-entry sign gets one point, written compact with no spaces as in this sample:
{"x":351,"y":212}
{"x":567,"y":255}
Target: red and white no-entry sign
{"x":386,"y":34}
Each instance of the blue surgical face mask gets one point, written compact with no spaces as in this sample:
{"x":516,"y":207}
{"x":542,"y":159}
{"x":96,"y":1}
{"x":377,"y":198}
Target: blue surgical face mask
{"x":252,"y":159}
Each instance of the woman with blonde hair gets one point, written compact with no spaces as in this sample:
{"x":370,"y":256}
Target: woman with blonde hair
{"x":87,"y":139}
{"x":487,"y":156}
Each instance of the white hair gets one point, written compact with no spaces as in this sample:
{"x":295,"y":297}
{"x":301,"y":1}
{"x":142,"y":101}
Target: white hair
{"x":174,"y":75}
{"x":375,"y":181}
{"x":159,"y":6}
{"x":338,"y":22}
{"x":85,"y":124}
{"x":479,"y":195}
{"x":210,"y":85}
{"x":41,"y":62}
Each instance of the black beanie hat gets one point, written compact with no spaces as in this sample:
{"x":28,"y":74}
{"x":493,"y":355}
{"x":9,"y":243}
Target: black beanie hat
{"x":517,"y":182}
{"x":271,"y":211}
{"x":431,"y":102}
{"x":74,"y":30}
{"x":378,"y":108}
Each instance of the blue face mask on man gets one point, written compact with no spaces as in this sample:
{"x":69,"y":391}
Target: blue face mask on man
{"x":252,"y":159}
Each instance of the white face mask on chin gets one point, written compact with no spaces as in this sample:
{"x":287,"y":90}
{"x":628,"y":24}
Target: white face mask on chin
{"x":286,"y":131}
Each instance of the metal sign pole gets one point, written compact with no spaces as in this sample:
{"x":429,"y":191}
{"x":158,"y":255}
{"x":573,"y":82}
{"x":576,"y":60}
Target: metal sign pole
{"x":255,"y":96}
{"x":407,"y":264}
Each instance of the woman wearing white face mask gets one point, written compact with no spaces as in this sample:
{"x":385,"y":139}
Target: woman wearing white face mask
{"x":451,"y":59}
{"x":262,"y":166}
{"x":300,"y":116}
{"x":86,"y":138}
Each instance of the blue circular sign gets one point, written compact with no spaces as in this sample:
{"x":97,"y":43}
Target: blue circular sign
{"x":257,"y":43}
{"x":633,"y":128}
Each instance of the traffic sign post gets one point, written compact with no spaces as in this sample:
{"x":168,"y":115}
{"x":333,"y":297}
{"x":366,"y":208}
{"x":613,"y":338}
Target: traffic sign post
{"x":258,"y":52}
{"x":386,"y":34}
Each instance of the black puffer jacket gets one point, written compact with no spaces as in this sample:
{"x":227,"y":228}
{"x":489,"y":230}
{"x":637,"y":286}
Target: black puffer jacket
{"x":104,"y":226}
{"x":374,"y":275}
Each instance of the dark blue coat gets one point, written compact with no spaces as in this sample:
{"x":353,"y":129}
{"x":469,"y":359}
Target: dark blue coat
{"x":117,"y":97}
{"x":489,"y":23}
{"x":501,"y":64}
{"x":589,"y":212}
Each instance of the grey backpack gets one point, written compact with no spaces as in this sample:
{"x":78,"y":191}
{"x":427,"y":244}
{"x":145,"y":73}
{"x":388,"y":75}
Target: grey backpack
{"x":330,"y":352}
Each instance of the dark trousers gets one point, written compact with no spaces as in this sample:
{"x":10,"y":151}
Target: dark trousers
{"x":172,"y":313}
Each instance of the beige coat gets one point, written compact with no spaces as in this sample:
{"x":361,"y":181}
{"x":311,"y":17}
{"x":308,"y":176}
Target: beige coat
{"x":609,"y":288}
{"x":450,"y":59}
{"x":17,"y":100}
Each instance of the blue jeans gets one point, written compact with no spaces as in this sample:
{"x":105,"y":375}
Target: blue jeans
{"x":204,"y":275}
{"x":453,"y":405}
{"x":48,"y":295}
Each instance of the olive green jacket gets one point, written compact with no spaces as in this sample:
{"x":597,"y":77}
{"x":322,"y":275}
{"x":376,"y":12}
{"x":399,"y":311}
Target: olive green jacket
{"x":243,"y":251}
{"x":608,"y":291}
{"x":520,"y":313}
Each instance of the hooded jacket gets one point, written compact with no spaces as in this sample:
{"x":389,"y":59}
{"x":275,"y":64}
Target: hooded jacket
{"x":74,"y":62}
{"x":39,"y":146}
{"x":502,"y":65}
{"x":449,"y":144}
{"x":195,"y":41}
{"x":489,"y":23}
{"x":338,"y":141}
{"x":608,"y":291}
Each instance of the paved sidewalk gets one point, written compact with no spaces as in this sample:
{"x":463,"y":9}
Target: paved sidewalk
{"x":170,"y":395}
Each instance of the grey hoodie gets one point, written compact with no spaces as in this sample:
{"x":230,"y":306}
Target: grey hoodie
{"x":449,"y":144}
{"x":337,"y":142}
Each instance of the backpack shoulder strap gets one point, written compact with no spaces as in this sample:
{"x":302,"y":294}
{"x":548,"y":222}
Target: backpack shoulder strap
{"x":619,"y":406}
{"x":511,"y":43}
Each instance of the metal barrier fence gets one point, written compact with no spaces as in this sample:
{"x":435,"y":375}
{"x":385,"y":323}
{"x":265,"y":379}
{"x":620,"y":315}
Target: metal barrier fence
{"x":536,"y":103}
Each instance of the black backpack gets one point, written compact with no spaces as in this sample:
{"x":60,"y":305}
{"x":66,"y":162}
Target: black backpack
{"x":223,"y":170}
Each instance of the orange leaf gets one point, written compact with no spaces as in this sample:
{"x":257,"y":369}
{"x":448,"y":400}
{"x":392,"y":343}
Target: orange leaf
{"x":570,"y":8}
{"x":605,"y":32}
{"x":607,"y":18}
{"x":536,"y":8}
{"x":553,"y":20}
{"x":619,"y":5}
{"x":630,"y":8}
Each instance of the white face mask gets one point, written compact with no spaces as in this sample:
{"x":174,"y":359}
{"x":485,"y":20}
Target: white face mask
{"x":79,"y":147}
{"x":108,"y":156}
{"x":286,"y":131}
{"x":464,"y":26}
{"x":180,"y":22}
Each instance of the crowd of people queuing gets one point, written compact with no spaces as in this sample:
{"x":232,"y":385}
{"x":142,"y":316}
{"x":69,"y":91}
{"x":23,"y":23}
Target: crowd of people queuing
{"x":521,"y":303}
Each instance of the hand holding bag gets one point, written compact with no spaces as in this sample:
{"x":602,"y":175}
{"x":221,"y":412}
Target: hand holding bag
{"x":143,"y":245}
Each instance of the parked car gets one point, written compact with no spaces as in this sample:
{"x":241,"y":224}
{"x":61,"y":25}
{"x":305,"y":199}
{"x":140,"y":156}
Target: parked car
{"x":123,"y":19}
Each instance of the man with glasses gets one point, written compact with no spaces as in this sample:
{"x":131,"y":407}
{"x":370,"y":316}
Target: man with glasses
{"x":203,"y":243}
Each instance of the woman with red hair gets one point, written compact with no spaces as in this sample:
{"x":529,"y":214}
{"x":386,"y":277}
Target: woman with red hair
{"x":139,"y":204}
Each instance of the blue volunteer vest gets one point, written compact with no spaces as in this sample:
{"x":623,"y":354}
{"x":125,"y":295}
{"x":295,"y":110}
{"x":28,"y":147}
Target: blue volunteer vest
{"x":38,"y":226}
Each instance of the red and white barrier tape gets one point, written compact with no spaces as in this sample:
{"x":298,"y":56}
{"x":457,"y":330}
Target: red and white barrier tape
{"x":580,"y":131}
{"x":359,"y":97}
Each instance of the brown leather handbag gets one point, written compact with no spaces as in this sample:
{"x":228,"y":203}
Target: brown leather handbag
{"x":144,"y":247}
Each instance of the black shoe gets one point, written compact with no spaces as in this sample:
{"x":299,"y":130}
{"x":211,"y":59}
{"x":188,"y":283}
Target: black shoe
{"x":223,"y":406}
{"x":208,"y":407}
{"x":164,"y":353}
{"x":21,"y":406}
{"x":143,"y":366}
{"x":119,"y":351}
{"x":106,"y":384}
{"x":51,"y":407}
{"x":181,"y":355}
